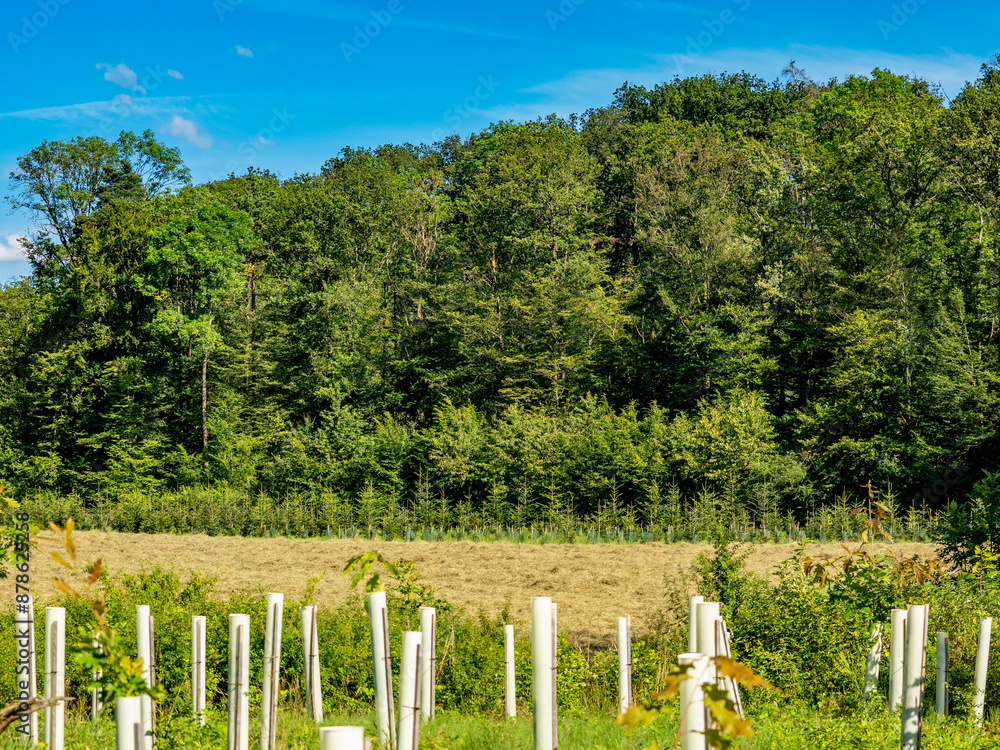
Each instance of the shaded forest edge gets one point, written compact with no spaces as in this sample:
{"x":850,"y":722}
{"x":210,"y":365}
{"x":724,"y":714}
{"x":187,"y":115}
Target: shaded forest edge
{"x":723,"y":293}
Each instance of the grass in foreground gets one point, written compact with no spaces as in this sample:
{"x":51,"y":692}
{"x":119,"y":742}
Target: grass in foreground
{"x":777,"y":728}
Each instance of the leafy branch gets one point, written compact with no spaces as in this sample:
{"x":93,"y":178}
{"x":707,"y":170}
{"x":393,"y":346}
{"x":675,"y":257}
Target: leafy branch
{"x":726,"y":718}
{"x":100,"y":647}
{"x":407,"y":589}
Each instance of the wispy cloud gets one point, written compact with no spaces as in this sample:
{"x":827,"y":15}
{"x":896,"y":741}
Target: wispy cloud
{"x":121,"y":105}
{"x":174,"y":74}
{"x":123,"y":75}
{"x":666,"y":6}
{"x":11,"y":249}
{"x":244,"y":51}
{"x":184,"y":128}
{"x":943,"y":66}
{"x":594,"y":87}
{"x":336,"y":11}
{"x":448,"y":28}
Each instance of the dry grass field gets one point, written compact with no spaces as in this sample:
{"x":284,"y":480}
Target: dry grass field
{"x":593,"y":584}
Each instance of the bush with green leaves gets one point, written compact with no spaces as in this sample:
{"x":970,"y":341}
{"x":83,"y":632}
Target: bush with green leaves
{"x":973,"y":523}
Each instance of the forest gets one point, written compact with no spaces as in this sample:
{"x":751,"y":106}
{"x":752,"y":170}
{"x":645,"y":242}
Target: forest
{"x":771,"y":292}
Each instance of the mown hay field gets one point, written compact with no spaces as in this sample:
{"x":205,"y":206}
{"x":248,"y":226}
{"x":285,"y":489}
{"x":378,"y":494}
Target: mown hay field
{"x":592,"y":583}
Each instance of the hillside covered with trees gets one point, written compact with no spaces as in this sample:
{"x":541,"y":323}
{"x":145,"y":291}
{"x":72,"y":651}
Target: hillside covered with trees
{"x":770,"y":291}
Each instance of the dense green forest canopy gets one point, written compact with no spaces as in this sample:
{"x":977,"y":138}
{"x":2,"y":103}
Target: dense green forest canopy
{"x":776,"y":290}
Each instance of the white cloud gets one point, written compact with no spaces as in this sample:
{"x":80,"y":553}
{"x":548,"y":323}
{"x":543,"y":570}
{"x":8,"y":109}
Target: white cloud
{"x":244,"y":51}
{"x":174,"y":74}
{"x":123,"y":75}
{"x":11,"y":249}
{"x":261,"y":141}
{"x":183,"y":128}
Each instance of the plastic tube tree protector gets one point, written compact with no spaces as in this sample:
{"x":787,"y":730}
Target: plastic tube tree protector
{"x":872,"y":664}
{"x":897,"y":640}
{"x":624,"y":663}
{"x":55,"y":675}
{"x":510,"y":696}
{"x":982,"y":663}
{"x":377,"y":617}
{"x":708,"y":613}
{"x":692,"y":705}
{"x":941,"y":673}
{"x":95,"y":693}
{"x":693,"y":603}
{"x":342,"y":738}
{"x":428,"y":660}
{"x":407,"y":731}
{"x":238,"y":729}
{"x":272,"y":671}
{"x":129,"y":731}
{"x":724,"y":647}
{"x":541,"y":671}
{"x":310,"y":663}
{"x":555,"y":673}
{"x":198,"y":649}
{"x":145,"y":648}
{"x":914,"y":664}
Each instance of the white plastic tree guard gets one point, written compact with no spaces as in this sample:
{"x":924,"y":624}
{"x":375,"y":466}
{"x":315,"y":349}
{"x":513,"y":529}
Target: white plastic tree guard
{"x":982,"y":664}
{"x":129,"y":731}
{"x":342,"y":738}
{"x":724,"y":647}
{"x":428,"y":660}
{"x":272,"y":671}
{"x":555,"y":675}
{"x":198,"y":648}
{"x":55,"y":676}
{"x":378,"y":621}
{"x":914,"y":665}
{"x":95,"y":693}
{"x":542,"y":682}
{"x":238,"y":727}
{"x":707,"y":614}
{"x":693,"y":603}
{"x":941,"y":674}
{"x":692,"y":705}
{"x":408,"y":729}
{"x":143,"y":631}
{"x":897,"y":647}
{"x":24,"y":625}
{"x":509,"y":695}
{"x":310,"y":663}
{"x":624,"y":663}
{"x":872,"y":664}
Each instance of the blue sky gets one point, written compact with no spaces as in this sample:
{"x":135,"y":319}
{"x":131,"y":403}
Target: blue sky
{"x":285,"y":84}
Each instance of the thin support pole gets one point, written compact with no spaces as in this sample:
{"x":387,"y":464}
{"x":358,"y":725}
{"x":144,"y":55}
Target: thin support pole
{"x":941,"y":671}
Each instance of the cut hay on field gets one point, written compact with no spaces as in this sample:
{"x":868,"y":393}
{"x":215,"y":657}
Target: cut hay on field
{"x":592,"y":583}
